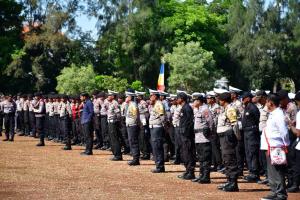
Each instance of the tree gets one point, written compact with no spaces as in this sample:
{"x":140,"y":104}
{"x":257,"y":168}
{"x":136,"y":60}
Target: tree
{"x":74,"y":80}
{"x":192,"y":68}
{"x":10,"y":38}
{"x":104,"y":82}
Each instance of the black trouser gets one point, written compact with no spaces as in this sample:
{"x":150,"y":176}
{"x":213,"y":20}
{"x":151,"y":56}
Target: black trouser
{"x":47,"y":125}
{"x":133,"y":137}
{"x":32,"y":123}
{"x":51,"y":127}
{"x":276,"y":176}
{"x":216,"y":151}
{"x":251,"y":140}
{"x":114,"y":134}
{"x":1,"y":123}
{"x":204,"y":153}
{"x":64,"y":125}
{"x":297,"y":168}
{"x":20,"y":121}
{"x":144,"y":138}
{"x":124,"y":135}
{"x":26,"y":123}
{"x":87,"y":129}
{"x":291,"y":155}
{"x":97,"y":129}
{"x":187,"y":152}
{"x":228,"y":143}
{"x":157,"y":142}
{"x":168,"y":145}
{"x":177,"y":147}
{"x":9,"y":124}
{"x":240,"y":153}
{"x":76,"y":130}
{"x":40,"y":127}
{"x":57,"y":127}
{"x":104,"y":131}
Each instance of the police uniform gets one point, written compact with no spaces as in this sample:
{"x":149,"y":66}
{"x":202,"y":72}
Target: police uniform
{"x":228,"y":141}
{"x":250,"y":124}
{"x":97,"y":123}
{"x":51,"y":120}
{"x":64,"y":115}
{"x":144,"y":132}
{"x":104,"y":124}
{"x":113,"y":114}
{"x":175,"y":122}
{"x":122,"y":127}
{"x":20,"y":115}
{"x":56,"y":107}
{"x":203,"y":130}
{"x":215,"y":141}
{"x":39,"y":113}
{"x":187,"y":139}
{"x":9,"y":110}
{"x":156,"y":119}
{"x":131,"y":115}
{"x":26,"y":117}
{"x":32,"y":118}
{"x":1,"y":116}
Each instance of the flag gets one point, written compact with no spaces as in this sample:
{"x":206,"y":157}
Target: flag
{"x":161,"y":78}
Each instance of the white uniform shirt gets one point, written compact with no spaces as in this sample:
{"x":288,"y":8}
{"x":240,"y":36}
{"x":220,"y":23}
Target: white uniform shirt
{"x":298,"y":127}
{"x":276,"y":130}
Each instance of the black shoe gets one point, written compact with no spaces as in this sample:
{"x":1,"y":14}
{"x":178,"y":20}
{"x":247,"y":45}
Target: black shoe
{"x":196,"y":180}
{"x":145,"y":157}
{"x":231,"y":187}
{"x":158,"y":170}
{"x":252,"y":178}
{"x":10,"y":140}
{"x":6,"y":139}
{"x":133,"y":163}
{"x":222,"y":170}
{"x":204,"y":181}
{"x":269,"y":197}
{"x":222,"y":186}
{"x":263,"y":182}
{"x":293,"y":189}
{"x":98,"y":146}
{"x":41,"y":144}
{"x":187,"y":176}
{"x":86,"y":153}
{"x":66,"y":148}
{"x":176,"y":162}
{"x":22,"y":134}
{"x":116,"y":158}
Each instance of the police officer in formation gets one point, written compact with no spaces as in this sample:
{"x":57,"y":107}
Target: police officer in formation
{"x":213,"y":129}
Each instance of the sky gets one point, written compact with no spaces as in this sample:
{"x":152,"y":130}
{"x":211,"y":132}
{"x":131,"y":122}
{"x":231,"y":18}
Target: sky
{"x":89,"y":24}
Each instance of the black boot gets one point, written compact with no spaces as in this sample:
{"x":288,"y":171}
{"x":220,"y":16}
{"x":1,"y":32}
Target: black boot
{"x":295,"y":186}
{"x":232,"y":186}
{"x":187,"y":176}
{"x":134,"y":162}
{"x":206,"y":176}
{"x":42,"y":143}
{"x":222,"y":186}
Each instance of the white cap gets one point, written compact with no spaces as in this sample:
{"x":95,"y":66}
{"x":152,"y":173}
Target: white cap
{"x":130,"y":94}
{"x":110,"y":92}
{"x":140,"y":93}
{"x":220,"y":91}
{"x":292,"y":95}
{"x":234,"y":89}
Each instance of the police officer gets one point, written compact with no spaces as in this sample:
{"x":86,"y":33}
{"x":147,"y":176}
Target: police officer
{"x":64,"y":115}
{"x":250,"y":124}
{"x":203,"y":130}
{"x":144,"y":135}
{"x":20,"y":114}
{"x":97,"y":120}
{"x":227,"y":120}
{"x":9,"y":110}
{"x":113,"y":114}
{"x":131,"y":114}
{"x":186,"y":137}
{"x":1,"y":114}
{"x":156,"y":120}
{"x":122,"y":124}
{"x":103,"y":119}
{"x":261,"y":97}
{"x":215,"y":141}
{"x":39,"y":109}
{"x":32,"y":116}
{"x":176,"y":110}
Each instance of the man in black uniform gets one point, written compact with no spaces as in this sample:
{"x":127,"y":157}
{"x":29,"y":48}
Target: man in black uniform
{"x":250,"y":124}
{"x":186,"y":137}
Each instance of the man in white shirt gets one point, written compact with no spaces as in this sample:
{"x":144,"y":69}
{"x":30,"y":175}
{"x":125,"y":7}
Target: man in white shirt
{"x":295,"y":128}
{"x":276,"y":135}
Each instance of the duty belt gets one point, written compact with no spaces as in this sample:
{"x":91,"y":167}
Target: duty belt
{"x":130,"y":125}
{"x":250,"y":127}
{"x":155,"y":126}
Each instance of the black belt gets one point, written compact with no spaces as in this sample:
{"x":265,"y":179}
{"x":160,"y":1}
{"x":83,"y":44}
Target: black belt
{"x":250,"y":127}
